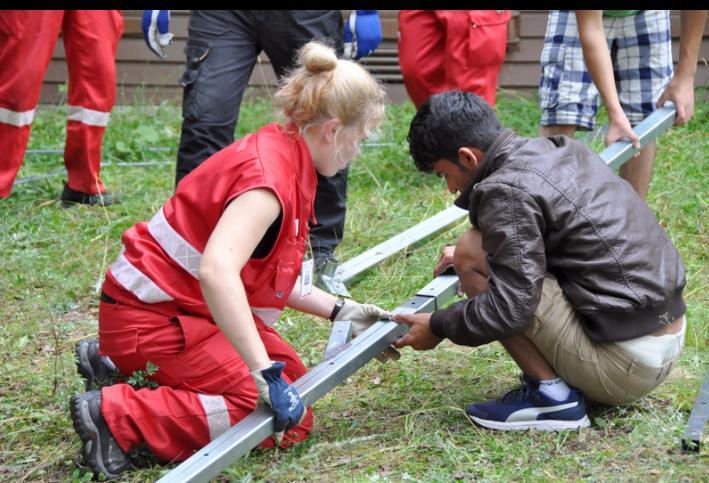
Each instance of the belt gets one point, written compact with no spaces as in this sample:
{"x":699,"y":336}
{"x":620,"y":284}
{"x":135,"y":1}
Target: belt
{"x":106,"y":298}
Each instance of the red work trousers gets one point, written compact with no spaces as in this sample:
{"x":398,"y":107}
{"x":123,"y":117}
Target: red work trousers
{"x":205,"y":386}
{"x":442,"y":50}
{"x":27,"y":41}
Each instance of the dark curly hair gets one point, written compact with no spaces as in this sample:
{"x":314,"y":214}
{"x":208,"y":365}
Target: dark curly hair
{"x":448,"y":121}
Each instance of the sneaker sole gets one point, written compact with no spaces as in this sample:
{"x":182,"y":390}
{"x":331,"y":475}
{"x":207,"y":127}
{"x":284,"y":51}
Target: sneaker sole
{"x":541,"y":425}
{"x":89,"y":434}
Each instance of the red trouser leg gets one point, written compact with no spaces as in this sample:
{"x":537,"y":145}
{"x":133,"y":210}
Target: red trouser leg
{"x":421,"y":47}
{"x":90,"y":40}
{"x":27,"y":40}
{"x":205,"y":385}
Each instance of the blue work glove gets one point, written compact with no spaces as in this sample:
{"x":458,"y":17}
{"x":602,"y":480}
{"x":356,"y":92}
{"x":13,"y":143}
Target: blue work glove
{"x":156,"y":30}
{"x":363,"y":33}
{"x":274,"y":391}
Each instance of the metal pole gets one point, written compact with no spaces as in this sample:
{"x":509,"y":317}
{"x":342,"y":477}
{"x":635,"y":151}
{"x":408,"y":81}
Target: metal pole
{"x":238,"y":440}
{"x":648,"y":130}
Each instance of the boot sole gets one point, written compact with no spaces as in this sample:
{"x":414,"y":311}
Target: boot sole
{"x":541,"y":425}
{"x":83,"y":366}
{"x":89,"y":434}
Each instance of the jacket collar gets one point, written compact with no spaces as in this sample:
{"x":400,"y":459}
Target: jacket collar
{"x":492,"y":160}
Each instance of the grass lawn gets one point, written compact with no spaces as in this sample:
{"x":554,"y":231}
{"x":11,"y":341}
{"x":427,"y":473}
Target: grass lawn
{"x":393,"y":422}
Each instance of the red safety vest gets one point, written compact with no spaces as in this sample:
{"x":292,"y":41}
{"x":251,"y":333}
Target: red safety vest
{"x":159,"y":265}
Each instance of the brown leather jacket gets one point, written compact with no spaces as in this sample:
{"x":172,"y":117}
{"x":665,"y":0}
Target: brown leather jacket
{"x":552,"y":205}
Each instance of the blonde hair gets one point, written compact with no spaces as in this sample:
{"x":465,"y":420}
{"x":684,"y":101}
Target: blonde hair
{"x":322,"y":87}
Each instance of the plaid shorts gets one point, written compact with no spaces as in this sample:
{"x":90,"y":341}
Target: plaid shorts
{"x":641,"y":52}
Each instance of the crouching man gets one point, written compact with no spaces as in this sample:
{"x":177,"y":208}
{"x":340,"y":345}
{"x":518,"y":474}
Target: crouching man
{"x":564,"y":265}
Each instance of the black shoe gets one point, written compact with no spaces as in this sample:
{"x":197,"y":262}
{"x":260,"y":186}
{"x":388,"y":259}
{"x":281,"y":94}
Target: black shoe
{"x":70,"y":197}
{"x":100,"y":450}
{"x":98,"y":370}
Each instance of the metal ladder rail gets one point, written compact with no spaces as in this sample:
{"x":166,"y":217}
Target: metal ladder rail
{"x":249,"y":432}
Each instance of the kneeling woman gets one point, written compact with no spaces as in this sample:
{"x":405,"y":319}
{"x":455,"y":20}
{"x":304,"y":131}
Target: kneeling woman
{"x":196,"y":289}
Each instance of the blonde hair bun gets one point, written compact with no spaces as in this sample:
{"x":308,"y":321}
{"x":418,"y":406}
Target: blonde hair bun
{"x":317,"y":57}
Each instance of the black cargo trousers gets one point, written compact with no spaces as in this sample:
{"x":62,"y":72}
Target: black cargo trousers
{"x":221,"y":52}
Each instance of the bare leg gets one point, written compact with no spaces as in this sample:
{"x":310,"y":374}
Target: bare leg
{"x":528,"y":357}
{"x":469,"y":261}
{"x":565,"y":129}
{"x":638,"y":170}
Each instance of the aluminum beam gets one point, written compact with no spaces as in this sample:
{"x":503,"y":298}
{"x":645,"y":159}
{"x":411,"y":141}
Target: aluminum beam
{"x":351,"y":269}
{"x":238,"y":440}
{"x":648,"y":130}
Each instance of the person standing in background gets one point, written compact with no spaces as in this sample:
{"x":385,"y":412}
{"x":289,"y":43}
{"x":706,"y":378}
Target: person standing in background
{"x":27,"y":41}
{"x":222,"y":50}
{"x":627,"y":56}
{"x":441,"y":50}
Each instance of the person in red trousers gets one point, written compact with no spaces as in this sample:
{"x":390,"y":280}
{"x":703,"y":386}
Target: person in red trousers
{"x":195,"y":291}
{"x":27,"y":41}
{"x":442,"y":50}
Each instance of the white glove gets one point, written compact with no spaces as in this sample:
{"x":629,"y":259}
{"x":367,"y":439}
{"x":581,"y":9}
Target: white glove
{"x":363,"y":316}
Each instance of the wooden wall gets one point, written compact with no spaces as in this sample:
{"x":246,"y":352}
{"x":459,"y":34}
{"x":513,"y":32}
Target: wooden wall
{"x":145,"y":78}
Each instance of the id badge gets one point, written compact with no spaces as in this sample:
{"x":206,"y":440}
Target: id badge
{"x":306,"y":277}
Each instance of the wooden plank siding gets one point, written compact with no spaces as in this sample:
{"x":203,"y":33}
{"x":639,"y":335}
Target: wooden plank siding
{"x":142,"y":77}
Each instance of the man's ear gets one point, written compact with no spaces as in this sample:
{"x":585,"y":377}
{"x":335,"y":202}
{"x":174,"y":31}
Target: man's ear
{"x":469,"y":158}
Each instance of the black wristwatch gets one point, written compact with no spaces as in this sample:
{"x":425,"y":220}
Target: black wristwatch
{"x":336,"y":309}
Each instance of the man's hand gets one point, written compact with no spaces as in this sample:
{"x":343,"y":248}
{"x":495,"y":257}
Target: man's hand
{"x":445,"y":261}
{"x":156,"y":30}
{"x":363,"y":316}
{"x":619,"y":128}
{"x":363,"y":33}
{"x":681,"y":92}
{"x":276,"y":393}
{"x":419,"y":336}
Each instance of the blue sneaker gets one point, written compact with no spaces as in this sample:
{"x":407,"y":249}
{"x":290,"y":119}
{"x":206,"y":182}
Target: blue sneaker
{"x":528,"y":408}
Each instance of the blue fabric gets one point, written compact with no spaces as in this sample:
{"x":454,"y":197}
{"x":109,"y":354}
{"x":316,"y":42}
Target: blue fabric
{"x":162,"y":22}
{"x":641,"y":53}
{"x":367,"y":33}
{"x":529,"y":397}
{"x":284,"y":399}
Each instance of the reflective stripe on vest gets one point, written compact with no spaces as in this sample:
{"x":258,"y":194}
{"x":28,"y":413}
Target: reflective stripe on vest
{"x":88,"y":116}
{"x":15,"y":118}
{"x":179,"y":249}
{"x":217,"y":414}
{"x":137,"y":282}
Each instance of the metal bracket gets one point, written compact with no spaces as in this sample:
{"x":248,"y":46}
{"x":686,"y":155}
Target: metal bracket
{"x":340,"y":336}
{"x":238,"y":440}
{"x":328,"y":281}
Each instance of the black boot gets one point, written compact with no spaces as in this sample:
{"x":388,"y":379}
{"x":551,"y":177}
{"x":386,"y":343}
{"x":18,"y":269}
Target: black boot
{"x":70,"y":197}
{"x":100,"y":450}
{"x":98,"y":370}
